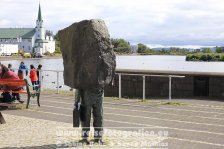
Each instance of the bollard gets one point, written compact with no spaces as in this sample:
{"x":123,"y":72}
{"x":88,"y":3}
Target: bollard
{"x":57,"y":82}
{"x":143,"y":98}
{"x":170,"y":83}
{"x":119,"y":86}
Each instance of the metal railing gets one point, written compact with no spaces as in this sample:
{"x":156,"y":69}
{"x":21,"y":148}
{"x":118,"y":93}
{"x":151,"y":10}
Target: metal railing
{"x":143,"y":78}
{"x":120,"y":83}
{"x":41,"y":76}
{"x":57,"y":77}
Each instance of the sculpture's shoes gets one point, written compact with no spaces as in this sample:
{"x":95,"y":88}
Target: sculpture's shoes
{"x":20,"y":101}
{"x":84,"y":141}
{"x":99,"y":141}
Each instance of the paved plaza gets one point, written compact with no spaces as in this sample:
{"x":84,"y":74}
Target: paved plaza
{"x":178,"y":124}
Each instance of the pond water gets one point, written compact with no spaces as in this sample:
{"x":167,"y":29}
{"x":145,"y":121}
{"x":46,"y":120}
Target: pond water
{"x":166,"y":63}
{"x":50,"y":66}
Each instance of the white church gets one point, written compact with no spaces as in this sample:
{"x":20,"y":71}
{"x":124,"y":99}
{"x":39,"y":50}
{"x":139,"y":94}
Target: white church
{"x":26,"y":40}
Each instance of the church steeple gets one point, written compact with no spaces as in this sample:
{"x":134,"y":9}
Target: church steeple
{"x":39,"y":14}
{"x":40,"y":33}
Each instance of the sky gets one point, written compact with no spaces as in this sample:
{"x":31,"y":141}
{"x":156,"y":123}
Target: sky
{"x":151,"y":22}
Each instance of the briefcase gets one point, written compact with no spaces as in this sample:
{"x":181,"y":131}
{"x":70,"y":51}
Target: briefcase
{"x":76,"y":115}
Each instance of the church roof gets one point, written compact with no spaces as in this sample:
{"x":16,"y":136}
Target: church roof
{"x":41,"y":41}
{"x":17,"y":32}
{"x":39,"y":14}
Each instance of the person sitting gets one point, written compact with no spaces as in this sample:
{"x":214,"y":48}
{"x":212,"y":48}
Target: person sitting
{"x":7,"y":74}
{"x":10,"y":67}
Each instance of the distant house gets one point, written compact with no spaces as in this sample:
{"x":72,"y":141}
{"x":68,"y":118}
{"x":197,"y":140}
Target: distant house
{"x":197,"y":50}
{"x":26,"y":40}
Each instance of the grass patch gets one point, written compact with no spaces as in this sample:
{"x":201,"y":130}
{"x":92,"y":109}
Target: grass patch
{"x":159,"y":102}
{"x":115,"y":98}
{"x":61,"y":92}
{"x":148,"y":101}
{"x":173,"y":103}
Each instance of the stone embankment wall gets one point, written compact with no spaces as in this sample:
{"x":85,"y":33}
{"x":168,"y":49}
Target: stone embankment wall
{"x":132,"y":87}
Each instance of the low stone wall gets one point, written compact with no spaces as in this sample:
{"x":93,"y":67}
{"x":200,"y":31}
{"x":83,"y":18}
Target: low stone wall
{"x":132,"y":87}
{"x":216,"y":87}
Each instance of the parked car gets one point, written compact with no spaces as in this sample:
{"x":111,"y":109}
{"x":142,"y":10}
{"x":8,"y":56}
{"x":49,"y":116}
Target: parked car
{"x":27,"y":55}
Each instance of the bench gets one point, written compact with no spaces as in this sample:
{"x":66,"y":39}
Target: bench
{"x":22,"y":83}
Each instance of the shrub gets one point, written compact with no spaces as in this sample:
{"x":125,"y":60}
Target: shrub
{"x":49,"y":54}
{"x":205,"y":57}
{"x":222,"y":57}
{"x":209,"y":57}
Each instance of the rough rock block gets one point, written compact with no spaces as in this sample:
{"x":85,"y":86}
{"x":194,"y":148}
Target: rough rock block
{"x":88,"y":57}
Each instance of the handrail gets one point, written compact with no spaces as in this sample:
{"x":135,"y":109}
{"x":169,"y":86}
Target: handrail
{"x":127,"y":74}
{"x":133,"y":74}
{"x":146,"y":75}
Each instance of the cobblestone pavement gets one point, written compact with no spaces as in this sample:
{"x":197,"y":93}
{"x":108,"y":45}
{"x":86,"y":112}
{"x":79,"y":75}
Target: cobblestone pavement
{"x":195,"y":124}
{"x":22,"y":132}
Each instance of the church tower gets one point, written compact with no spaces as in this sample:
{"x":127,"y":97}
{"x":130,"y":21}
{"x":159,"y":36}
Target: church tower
{"x":42,"y":44}
{"x":39,"y":26}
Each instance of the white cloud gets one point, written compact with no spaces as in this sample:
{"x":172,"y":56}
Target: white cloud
{"x":4,"y":22}
{"x":167,"y":22}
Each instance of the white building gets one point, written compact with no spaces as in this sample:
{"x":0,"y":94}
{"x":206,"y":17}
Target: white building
{"x":134,"y":48}
{"x":27,"y":40}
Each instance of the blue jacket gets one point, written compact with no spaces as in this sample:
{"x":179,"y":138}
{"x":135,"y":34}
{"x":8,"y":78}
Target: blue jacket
{"x":22,"y":67}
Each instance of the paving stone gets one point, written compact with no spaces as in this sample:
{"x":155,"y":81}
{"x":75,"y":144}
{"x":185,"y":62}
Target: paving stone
{"x":22,"y":132}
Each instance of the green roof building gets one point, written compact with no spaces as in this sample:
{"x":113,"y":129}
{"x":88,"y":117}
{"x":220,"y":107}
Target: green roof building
{"x":27,"y":40}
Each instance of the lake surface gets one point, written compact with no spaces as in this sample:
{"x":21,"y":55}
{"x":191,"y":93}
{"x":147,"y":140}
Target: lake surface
{"x":153,"y":63}
{"x":49,"y":77}
{"x":167,"y":63}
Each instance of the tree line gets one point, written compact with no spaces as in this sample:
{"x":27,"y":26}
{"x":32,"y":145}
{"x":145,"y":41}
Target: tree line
{"x":121,"y":46}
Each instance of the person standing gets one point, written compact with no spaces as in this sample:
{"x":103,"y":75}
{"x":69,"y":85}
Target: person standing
{"x":33,"y":76}
{"x":39,"y":76}
{"x":22,"y":67}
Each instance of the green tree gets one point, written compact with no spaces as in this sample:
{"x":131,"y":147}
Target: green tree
{"x":143,"y":48}
{"x":219,"y":49}
{"x":121,"y":46}
{"x":57,"y":44}
{"x":56,"y":37}
{"x":206,"y":50}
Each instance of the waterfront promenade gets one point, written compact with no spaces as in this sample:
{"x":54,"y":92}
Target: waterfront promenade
{"x":177,"y":124}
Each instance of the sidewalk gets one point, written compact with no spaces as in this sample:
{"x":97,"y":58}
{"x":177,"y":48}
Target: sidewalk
{"x":182,"y":123}
{"x":26,"y":133}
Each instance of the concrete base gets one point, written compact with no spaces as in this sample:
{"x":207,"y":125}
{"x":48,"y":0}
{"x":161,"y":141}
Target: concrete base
{"x":188,"y":87}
